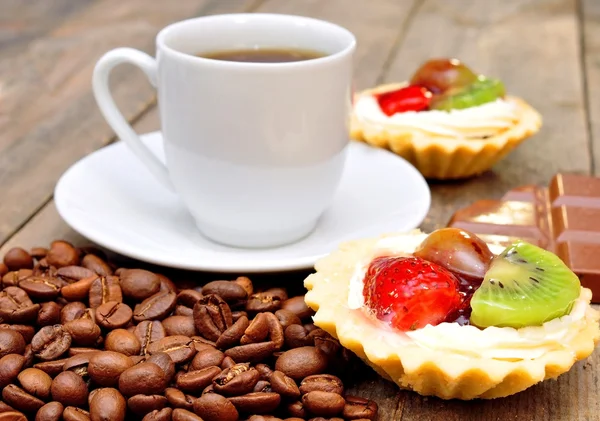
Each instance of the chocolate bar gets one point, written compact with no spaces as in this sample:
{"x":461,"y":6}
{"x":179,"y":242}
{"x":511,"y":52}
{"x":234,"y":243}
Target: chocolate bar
{"x":563,"y":218}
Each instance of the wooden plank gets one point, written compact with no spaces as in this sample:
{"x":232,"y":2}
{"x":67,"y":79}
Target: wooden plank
{"x":49,"y":118}
{"x":590,"y":20}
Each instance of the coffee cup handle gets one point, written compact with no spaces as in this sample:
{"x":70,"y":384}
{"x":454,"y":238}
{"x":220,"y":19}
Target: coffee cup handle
{"x":112,"y":114}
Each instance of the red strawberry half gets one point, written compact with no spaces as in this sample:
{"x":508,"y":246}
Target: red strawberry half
{"x":410,"y":293}
{"x":410,"y":98}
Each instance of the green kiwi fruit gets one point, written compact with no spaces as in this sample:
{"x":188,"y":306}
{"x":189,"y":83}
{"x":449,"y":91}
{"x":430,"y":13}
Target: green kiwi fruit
{"x":482,"y":91}
{"x":524,"y":286}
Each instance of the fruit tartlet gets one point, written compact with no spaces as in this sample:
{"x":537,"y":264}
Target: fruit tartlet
{"x":447,"y":121}
{"x":444,"y":315}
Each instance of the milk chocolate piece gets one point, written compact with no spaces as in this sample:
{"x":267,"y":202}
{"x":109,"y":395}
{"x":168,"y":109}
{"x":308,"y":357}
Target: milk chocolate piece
{"x":563,"y":218}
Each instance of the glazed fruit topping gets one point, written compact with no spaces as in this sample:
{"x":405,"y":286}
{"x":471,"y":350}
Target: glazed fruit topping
{"x":441,"y":74}
{"x":410,"y":98}
{"x":410,"y":293}
{"x":481,"y":92}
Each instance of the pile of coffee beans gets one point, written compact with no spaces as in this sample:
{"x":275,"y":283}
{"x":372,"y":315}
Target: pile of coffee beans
{"x":83,"y":340}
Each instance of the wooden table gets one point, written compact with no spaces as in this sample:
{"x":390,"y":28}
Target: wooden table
{"x":547,"y":51}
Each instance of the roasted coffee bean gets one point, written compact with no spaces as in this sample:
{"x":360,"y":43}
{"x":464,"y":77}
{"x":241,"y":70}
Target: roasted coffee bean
{"x":50,"y":342}
{"x":245,"y":283}
{"x":256,"y":402}
{"x":72,"y":413}
{"x":166,"y":284}
{"x":200,"y":343}
{"x":80,"y":350}
{"x":10,"y":366}
{"x":11,"y":342}
{"x":265,"y":371}
{"x":206,"y":358}
{"x":324,"y":342}
{"x":188,"y":297}
{"x":104,"y":289}
{"x":113,"y":315}
{"x":148,"y":332}
{"x":62,"y":254}
{"x":73,"y":274}
{"x":233,"y":293}
{"x":105,"y":367}
{"x":28,"y":355}
{"x":72,"y":311}
{"x":184,"y":415}
{"x":296,"y":409}
{"x":3,"y":270}
{"x":144,"y":378}
{"x":301,"y":362}
{"x":183,"y":311}
{"x":96,"y":265}
{"x":164,"y":414}
{"x":52,"y":411}
{"x":156,"y":307}
{"x":52,"y":368}
{"x":279,"y":292}
{"x":287,"y":318}
{"x":83,"y":331}
{"x":26,"y":331}
{"x":79,"y":290}
{"x":198,"y":379}
{"x":263,"y":301}
{"x":233,"y":334}
{"x":284,"y":385}
{"x":139,"y":284}
{"x":123,"y":341}
{"x":275,"y":330}
{"x":262,"y":386}
{"x":12,"y":278}
{"x":20,"y":399}
{"x":358,"y":408}
{"x":257,"y":331}
{"x":142,"y":404}
{"x":179,"y":325}
{"x":44,"y":269}
{"x":214,"y":407}
{"x":78,"y":364}
{"x":323,"y":383}
{"x":251,"y":352}
{"x":227,"y":362}
{"x":35,"y":382}
{"x":296,"y":336}
{"x":41,"y":288}
{"x":237,"y":380}
{"x":323,"y":404}
{"x":179,"y":348}
{"x":16,"y":306}
{"x":297,"y":306}
{"x":108,"y":404}
{"x":269,"y":418}
{"x":212,"y":317}
{"x":16,"y":258}
{"x":178,"y":399}
{"x":69,"y":389}
{"x":165,"y":363}
{"x":236,"y":315}
{"x":49,"y":314}
{"x":38,"y":252}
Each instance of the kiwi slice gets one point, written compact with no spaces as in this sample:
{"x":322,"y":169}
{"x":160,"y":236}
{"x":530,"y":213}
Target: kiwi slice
{"x":482,"y":91}
{"x":524,"y":286}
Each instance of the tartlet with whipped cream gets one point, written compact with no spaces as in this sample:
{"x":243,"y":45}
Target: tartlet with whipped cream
{"x":447,"y":121}
{"x":444,"y":315}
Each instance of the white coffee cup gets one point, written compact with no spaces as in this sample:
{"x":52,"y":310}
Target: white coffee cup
{"x":254,"y":150}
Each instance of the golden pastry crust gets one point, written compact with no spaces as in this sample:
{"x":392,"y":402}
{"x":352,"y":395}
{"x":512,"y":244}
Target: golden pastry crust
{"x":440,"y":157}
{"x":426,"y":371}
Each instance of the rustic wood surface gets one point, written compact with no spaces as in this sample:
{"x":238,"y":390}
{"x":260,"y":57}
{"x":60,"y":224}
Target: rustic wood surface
{"x":547,"y":51}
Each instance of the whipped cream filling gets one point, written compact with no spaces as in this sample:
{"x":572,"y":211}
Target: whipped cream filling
{"x":469,"y":123}
{"x":492,"y":342}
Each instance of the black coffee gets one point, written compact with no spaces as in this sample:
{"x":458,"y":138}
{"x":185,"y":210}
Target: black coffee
{"x":264,"y":55}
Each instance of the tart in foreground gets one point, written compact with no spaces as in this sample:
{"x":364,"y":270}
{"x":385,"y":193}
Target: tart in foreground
{"x":442,"y":315}
{"x":447,"y":121}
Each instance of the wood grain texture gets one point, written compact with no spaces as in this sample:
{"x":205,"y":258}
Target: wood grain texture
{"x":590,"y":21}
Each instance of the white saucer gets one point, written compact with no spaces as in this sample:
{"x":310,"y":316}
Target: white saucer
{"x":110,"y":198}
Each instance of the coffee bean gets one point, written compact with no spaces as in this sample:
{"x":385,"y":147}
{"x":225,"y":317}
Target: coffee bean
{"x":233,"y":334}
{"x":80,"y":350}
{"x":96,"y":265}
{"x":113,"y":315}
{"x":165,"y":363}
{"x":148,"y":332}
{"x":166,"y":284}
{"x":139,"y":284}
{"x":108,"y":404}
{"x":269,"y":418}
{"x":233,"y":293}
{"x":183,"y":311}
{"x":227,"y":362}
{"x":359,"y":408}
{"x":12,"y":416}
{"x":212,"y":317}
{"x":279,"y":292}
{"x":104,"y":289}
{"x":143,"y":404}
{"x":179,"y":325}
{"x":16,"y":306}
{"x":214,"y":407}
{"x":236,"y":315}
{"x":237,"y":380}
{"x":245,"y":283}
{"x":69,"y":389}
{"x":79,"y":364}
{"x":257,"y":331}
{"x":206,"y":358}
{"x":3,"y":270}
{"x":72,"y":413}
{"x":298,"y":306}
{"x":265,"y":371}
{"x":16,"y":258}
{"x":10,"y":366}
{"x":49,"y":314}
{"x":184,"y":415}
{"x":296,"y":409}
{"x":256,"y":402}
{"x":262,"y":386}
{"x":263,"y":301}
{"x":323,"y":383}
{"x":52,"y":411}
{"x":35,"y":382}
{"x":301,"y":362}
{"x":200,"y":343}
{"x":80,"y":290}
{"x":156,"y":307}
{"x":72,"y":311}
{"x":251,"y":352}
{"x":164,"y":414}
{"x":188,"y":297}
{"x":105,"y":367}
{"x":324,"y":404}
{"x":198,"y":379}
{"x":287,"y":318}
{"x":284,"y":385}
{"x":50,"y":342}
{"x":179,"y":348}
{"x":296,"y":336}
{"x":178,"y":399}
{"x":275,"y":330}
{"x":26,"y":331}
{"x":83,"y":331}
{"x":20,"y":399}
{"x":61,"y":254}
{"x":73,"y":274}
{"x":11,"y":342}
{"x":52,"y":368}
{"x":144,"y":378}
{"x":120,"y":340}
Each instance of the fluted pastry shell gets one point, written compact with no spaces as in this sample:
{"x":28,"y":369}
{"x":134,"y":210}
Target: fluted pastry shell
{"x":443,"y":157}
{"x":426,"y":371}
